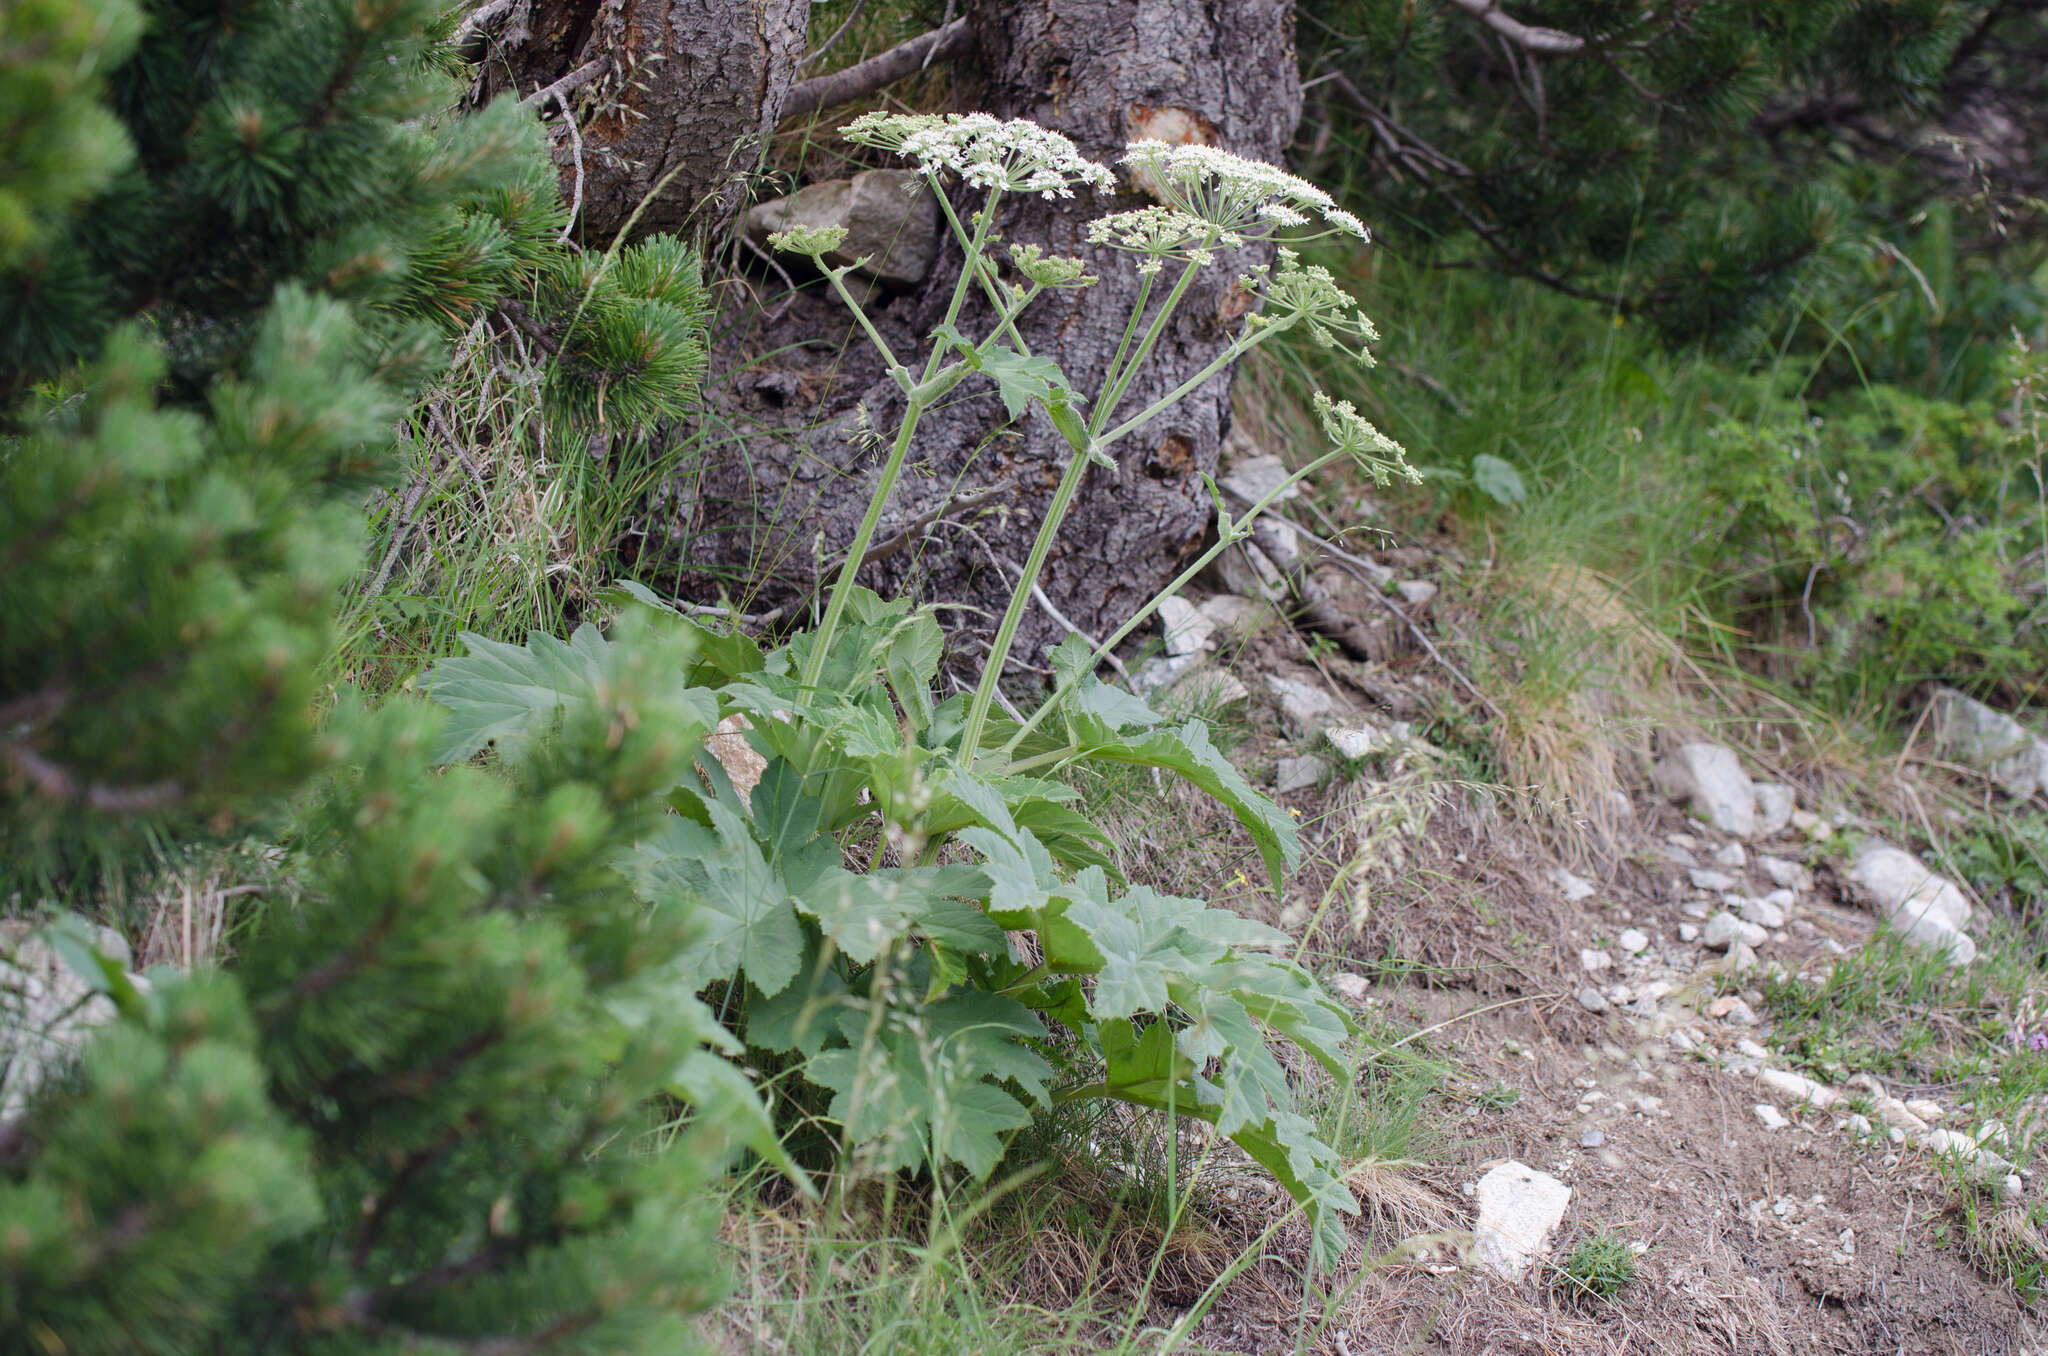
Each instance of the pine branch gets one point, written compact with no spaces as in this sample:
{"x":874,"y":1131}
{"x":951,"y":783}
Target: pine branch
{"x":954,"y":40}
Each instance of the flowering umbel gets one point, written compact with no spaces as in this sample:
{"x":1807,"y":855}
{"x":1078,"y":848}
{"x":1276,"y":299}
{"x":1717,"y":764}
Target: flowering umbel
{"x":1017,"y":156}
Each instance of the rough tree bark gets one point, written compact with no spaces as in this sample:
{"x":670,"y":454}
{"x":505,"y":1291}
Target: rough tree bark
{"x":672,"y":99}
{"x":777,"y":494}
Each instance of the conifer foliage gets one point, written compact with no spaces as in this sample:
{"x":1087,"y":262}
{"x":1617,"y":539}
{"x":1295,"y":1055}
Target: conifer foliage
{"x":431,"y":1109}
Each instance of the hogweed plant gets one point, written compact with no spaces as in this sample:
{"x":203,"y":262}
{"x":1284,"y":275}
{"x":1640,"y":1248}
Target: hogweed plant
{"x":915,"y":935}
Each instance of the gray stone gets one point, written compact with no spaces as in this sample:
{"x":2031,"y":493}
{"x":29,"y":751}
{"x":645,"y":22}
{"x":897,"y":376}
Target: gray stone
{"x":1518,"y":1207}
{"x":1593,"y":962}
{"x":1716,"y":881}
{"x":1592,"y":1139}
{"x":1248,"y":572}
{"x":1592,"y":1000}
{"x":1724,"y":930}
{"x":1710,"y":779}
{"x":890,"y":217}
{"x":1968,"y":732}
{"x":1678,"y":856}
{"x":1730,"y":857}
{"x":1351,"y":987}
{"x":1785,"y":875}
{"x":1632,"y":941}
{"x":1798,"y":1089}
{"x":1770,"y":1116}
{"x":1774,"y":807}
{"x":1185,"y":629}
{"x":1924,"y":908}
{"x":1233,"y":615}
{"x":1688,"y":932}
{"x":1162,"y":671}
{"x":1761,"y":912}
{"x":1299,"y":774}
{"x":1253,"y":478}
{"x":1415,"y":591}
{"x":1302,"y":707}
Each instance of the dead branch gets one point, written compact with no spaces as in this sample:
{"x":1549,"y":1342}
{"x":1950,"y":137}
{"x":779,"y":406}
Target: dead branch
{"x":956,"y":39}
{"x":1528,"y":37}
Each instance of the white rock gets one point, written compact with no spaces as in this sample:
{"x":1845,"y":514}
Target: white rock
{"x":1163,"y":671}
{"x":1894,"y":1113}
{"x":1786,"y":875}
{"x":1772,"y":1118}
{"x":1351,"y":987}
{"x":1859,"y":1126}
{"x":1761,"y":912}
{"x":1233,"y":614}
{"x":1361,"y":741}
{"x":1415,"y":591}
{"x":1733,"y":1010}
{"x":1593,"y":962}
{"x":1213,"y":687}
{"x":1954,"y":1144}
{"x":1784,"y":899}
{"x":1688,"y":932}
{"x":1924,"y":908}
{"x":1299,"y":774}
{"x":1573,"y":888}
{"x":1994,"y":1134}
{"x":1741,"y":956}
{"x":1716,"y":881}
{"x":47,"y":1012}
{"x":1253,"y":478}
{"x":1749,"y":1049}
{"x":1968,"y":732}
{"x":1302,"y":706}
{"x":1730,"y":857}
{"x":2014,"y":1188}
{"x":1592,"y":1000}
{"x":1245,"y":570}
{"x":1632,"y":941}
{"x":1592,"y":1139}
{"x":1678,"y":856}
{"x":1797,"y":1088}
{"x":1724,"y":930}
{"x":1518,"y":1207}
{"x":1926,"y":1108}
{"x":1774,"y":806}
{"x":1186,"y":630}
{"x":1710,"y":779}
{"x":1847,"y":1241}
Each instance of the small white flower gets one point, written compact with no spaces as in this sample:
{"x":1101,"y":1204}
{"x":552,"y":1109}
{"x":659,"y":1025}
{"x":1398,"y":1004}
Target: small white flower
{"x":1017,"y":156}
{"x":1232,"y":191}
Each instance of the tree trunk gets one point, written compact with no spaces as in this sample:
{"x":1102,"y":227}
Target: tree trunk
{"x":672,"y":99}
{"x":787,"y":462}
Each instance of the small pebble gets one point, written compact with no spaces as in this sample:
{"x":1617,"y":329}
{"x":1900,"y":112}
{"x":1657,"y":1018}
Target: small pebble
{"x":1592,"y":1000}
{"x":1772,"y":1118}
{"x":1632,"y":941}
{"x":1688,"y":932}
{"x":1592,"y":1139}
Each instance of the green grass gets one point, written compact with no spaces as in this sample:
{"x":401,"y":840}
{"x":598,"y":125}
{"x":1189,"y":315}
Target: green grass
{"x":1599,"y":1265}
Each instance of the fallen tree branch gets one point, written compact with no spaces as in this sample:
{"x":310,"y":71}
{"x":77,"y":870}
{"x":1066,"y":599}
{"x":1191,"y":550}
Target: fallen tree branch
{"x":956,"y":39}
{"x":568,"y":84}
{"x":1528,"y":37}
{"x":59,"y":783}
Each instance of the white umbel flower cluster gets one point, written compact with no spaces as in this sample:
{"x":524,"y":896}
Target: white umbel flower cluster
{"x":1350,"y":432}
{"x":1248,"y":196}
{"x":1156,"y":234}
{"x":1017,"y":156}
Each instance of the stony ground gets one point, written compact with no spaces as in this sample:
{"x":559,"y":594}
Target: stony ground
{"x":1607,"y":1057}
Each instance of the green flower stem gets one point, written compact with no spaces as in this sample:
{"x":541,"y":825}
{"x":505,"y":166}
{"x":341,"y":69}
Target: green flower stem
{"x":835,"y":606}
{"x":1230,"y":355}
{"x":1113,"y":396}
{"x":896,"y":369}
{"x":999,"y":652}
{"x":1234,"y":530}
{"x":1124,"y":345}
